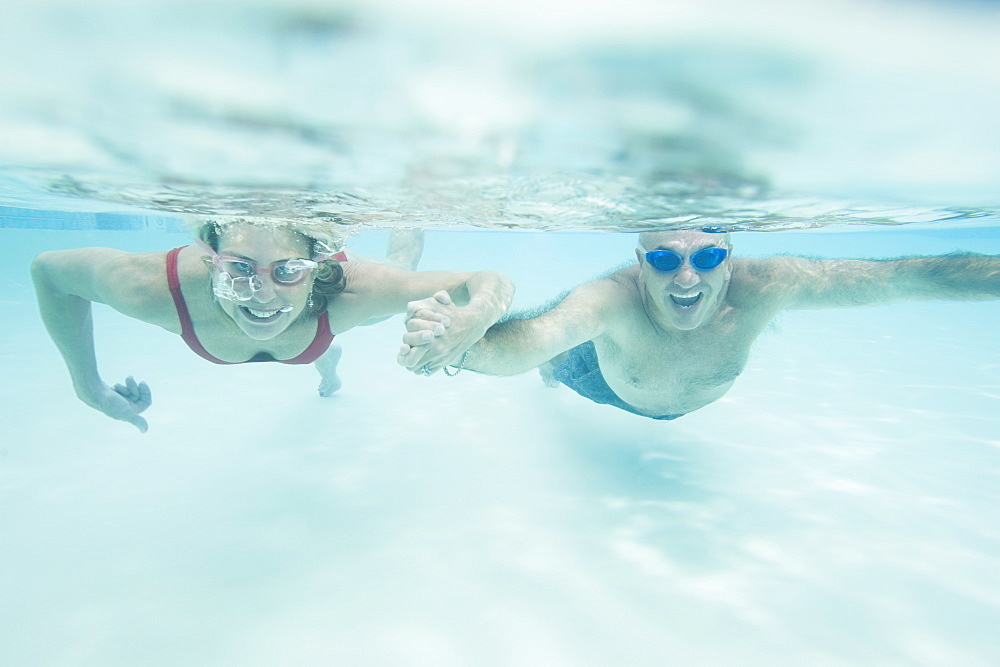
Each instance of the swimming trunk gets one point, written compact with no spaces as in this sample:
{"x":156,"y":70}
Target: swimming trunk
{"x":581,"y":373}
{"x":319,"y":345}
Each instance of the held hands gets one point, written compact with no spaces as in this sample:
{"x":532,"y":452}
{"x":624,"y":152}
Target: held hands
{"x":437,"y":334}
{"x":124,"y":402}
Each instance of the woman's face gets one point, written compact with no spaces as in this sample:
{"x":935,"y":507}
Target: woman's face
{"x":274,"y":307}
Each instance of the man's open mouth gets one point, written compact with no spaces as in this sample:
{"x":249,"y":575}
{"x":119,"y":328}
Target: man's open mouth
{"x":685,"y":301}
{"x":255,"y":315}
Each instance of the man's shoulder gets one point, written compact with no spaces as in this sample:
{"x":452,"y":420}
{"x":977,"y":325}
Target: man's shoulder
{"x":605,"y":297}
{"x":757,"y":281}
{"x":623,"y":277}
{"x":612,"y":285}
{"x":763,"y":269}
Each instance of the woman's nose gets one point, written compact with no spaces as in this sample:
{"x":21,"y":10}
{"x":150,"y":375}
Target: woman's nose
{"x":266,"y":291}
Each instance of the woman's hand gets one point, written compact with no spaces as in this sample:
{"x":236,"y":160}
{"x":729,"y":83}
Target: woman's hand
{"x":437,"y":334}
{"x":124,"y":402}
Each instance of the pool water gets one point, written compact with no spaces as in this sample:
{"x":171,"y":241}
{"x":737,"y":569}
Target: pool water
{"x":836,"y":507}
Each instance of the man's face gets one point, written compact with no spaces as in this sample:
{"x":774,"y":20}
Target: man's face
{"x":685,"y":296}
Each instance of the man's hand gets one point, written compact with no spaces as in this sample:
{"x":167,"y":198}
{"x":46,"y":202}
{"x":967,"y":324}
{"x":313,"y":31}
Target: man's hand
{"x":124,"y":402}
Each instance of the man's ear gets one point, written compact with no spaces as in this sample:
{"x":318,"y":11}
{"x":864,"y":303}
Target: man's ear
{"x":640,"y":255}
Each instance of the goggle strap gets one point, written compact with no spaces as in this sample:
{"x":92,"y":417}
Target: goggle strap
{"x":207,"y":248}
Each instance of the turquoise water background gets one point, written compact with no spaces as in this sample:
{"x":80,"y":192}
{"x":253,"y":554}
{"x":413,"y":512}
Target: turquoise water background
{"x":836,"y":507}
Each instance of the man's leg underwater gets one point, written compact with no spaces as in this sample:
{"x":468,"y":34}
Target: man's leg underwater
{"x":405,"y":248}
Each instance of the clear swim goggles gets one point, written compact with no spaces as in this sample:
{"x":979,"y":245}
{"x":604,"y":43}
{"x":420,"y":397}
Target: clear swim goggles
{"x":705,"y":259}
{"x":238,"y":279}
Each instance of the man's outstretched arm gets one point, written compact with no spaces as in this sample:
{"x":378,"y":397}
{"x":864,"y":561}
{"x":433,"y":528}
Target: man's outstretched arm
{"x":474,"y":301}
{"x":519,"y":344}
{"x":852,"y":282}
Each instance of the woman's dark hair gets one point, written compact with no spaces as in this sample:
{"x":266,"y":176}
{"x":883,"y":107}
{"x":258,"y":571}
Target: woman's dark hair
{"x":329,"y":279}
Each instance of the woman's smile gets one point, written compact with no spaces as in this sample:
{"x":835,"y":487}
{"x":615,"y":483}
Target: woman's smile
{"x":263,"y":315}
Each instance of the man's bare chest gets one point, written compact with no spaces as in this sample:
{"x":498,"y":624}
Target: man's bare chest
{"x":692,"y":361}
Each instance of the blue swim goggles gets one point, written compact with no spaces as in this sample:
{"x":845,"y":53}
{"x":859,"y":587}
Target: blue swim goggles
{"x":705,"y":259}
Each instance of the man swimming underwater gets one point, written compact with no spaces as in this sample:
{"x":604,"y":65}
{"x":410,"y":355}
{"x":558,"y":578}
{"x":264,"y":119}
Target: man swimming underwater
{"x":671,"y":334}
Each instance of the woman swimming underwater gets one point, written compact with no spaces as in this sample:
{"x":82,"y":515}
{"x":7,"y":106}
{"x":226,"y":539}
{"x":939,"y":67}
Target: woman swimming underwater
{"x":247,"y":291}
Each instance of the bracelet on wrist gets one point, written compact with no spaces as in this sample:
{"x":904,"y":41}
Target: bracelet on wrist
{"x":459,"y":368}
